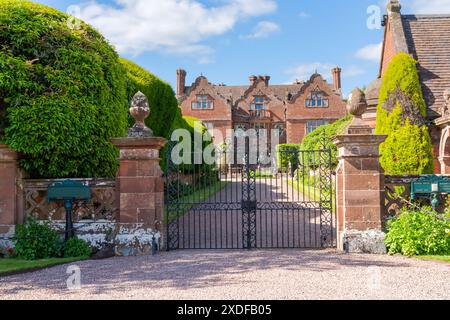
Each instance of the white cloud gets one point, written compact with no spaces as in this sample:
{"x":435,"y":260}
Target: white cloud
{"x":428,"y":6}
{"x":263,"y":30}
{"x":303,"y":14}
{"x":304,"y":71}
{"x":371,"y":52}
{"x":175,"y":26}
{"x":352,"y":71}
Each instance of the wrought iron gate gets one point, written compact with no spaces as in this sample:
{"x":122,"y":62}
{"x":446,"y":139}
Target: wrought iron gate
{"x":288,"y":204}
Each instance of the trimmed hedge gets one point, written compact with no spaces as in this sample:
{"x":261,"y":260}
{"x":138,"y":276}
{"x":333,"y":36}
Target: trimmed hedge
{"x":63,"y":90}
{"x":161,"y":97}
{"x":408,"y":148}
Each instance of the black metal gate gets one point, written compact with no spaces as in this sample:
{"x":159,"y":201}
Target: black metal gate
{"x":219,"y":205}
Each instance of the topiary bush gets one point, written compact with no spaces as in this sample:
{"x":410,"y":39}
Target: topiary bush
{"x":401,"y":113}
{"x":416,"y":232}
{"x":76,"y":247}
{"x":63,"y":92}
{"x":35,"y":240}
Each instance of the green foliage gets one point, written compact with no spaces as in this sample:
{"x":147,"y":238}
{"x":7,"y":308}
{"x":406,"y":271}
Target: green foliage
{"x":408,"y":148}
{"x":288,"y":155}
{"x":162,"y":100}
{"x":322,"y":138}
{"x":35,"y":240}
{"x":63,"y":90}
{"x":418,"y":233}
{"x":75,"y":247}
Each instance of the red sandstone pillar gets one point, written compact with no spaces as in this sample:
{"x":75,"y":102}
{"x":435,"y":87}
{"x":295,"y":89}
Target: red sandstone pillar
{"x":9,"y":194}
{"x":139,"y":186}
{"x":139,"y":181}
{"x":360,"y":185}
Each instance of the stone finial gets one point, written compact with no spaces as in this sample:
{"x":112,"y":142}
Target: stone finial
{"x":445,"y":109}
{"x":139,"y":110}
{"x":356,"y":106}
{"x":394,"y":6}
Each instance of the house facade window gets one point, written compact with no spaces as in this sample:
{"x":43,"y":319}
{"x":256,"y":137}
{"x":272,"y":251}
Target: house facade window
{"x":259,"y":103}
{"x":203,"y":103}
{"x":316,"y":100}
{"x":314,"y":124}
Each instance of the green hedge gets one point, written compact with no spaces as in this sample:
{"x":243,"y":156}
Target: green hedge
{"x":288,"y":155}
{"x":322,"y":138}
{"x":408,"y":148}
{"x":63,"y":90}
{"x":161,"y":97}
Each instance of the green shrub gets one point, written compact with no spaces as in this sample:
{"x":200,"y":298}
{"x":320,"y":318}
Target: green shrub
{"x":75,"y":247}
{"x":288,"y":155}
{"x":418,"y":233}
{"x":408,"y":148}
{"x":35,"y":240}
{"x":63,"y":90}
{"x":322,"y":139}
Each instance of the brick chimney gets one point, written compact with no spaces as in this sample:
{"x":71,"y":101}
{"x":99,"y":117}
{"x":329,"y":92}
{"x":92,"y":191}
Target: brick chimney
{"x":336,"y":72}
{"x":181,"y":82}
{"x":266,"y":80}
{"x":394,"y":6}
{"x":252,"y":80}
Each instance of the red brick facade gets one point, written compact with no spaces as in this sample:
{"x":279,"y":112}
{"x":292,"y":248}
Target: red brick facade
{"x":292,"y":109}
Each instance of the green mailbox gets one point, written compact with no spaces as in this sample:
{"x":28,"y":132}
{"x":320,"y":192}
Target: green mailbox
{"x":69,"y":191}
{"x":430,"y":186}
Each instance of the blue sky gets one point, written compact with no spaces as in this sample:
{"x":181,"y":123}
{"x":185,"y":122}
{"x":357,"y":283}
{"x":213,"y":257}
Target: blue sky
{"x":228,"y":40}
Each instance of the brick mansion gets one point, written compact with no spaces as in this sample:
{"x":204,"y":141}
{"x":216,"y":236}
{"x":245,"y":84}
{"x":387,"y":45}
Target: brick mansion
{"x":295,"y":109}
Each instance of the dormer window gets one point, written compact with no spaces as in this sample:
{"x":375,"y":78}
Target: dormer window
{"x":259,"y":103}
{"x":203,"y":103}
{"x":317,"y":100}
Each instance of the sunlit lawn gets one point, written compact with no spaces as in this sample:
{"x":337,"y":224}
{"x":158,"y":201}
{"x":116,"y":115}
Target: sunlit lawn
{"x":13,"y":265}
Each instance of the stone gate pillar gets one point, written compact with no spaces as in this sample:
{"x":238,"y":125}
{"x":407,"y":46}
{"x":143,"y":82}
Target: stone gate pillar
{"x":10,"y":196}
{"x":139,"y":186}
{"x":360,"y":184}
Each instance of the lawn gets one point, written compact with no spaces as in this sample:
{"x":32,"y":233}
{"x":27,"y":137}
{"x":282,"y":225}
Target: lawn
{"x":437,"y":258}
{"x":13,"y":265}
{"x":186,"y":203}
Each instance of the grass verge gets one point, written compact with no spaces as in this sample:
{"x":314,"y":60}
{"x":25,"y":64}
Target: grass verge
{"x":436,"y":258}
{"x":9,"y":266}
{"x":188,"y":202}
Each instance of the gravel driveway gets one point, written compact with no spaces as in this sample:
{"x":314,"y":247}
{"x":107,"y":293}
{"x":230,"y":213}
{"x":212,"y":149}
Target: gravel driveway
{"x":266,"y":274}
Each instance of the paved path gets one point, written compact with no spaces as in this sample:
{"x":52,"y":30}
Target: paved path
{"x":268,"y":274}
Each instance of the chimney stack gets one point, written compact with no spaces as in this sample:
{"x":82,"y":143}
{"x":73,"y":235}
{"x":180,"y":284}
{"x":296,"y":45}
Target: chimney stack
{"x":181,"y":82}
{"x":336,"y":72}
{"x":266,"y":80}
{"x":394,"y":6}
{"x":252,"y":80}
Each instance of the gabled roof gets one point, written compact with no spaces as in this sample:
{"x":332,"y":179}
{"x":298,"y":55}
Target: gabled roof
{"x":237,"y":93}
{"x":428,"y":41}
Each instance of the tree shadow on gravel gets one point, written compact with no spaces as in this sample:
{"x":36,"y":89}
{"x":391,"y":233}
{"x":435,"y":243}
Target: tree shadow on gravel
{"x":183,"y":270}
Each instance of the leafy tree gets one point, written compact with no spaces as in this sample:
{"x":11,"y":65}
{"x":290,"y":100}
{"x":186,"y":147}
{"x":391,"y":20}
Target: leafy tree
{"x":401,"y":115}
